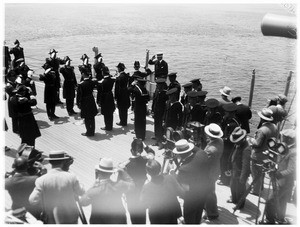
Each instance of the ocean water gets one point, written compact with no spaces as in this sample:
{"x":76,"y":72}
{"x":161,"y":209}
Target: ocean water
{"x":219,"y":43}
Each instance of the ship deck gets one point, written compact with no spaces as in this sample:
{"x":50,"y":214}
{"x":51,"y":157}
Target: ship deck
{"x":65,"y":134}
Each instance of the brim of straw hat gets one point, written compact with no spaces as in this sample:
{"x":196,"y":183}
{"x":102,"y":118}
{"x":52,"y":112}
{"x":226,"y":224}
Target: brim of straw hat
{"x":206,"y":129}
{"x":238,"y":139}
{"x":222,"y":92}
{"x":97,"y":167}
{"x":191,"y":147}
{"x":264,"y":117}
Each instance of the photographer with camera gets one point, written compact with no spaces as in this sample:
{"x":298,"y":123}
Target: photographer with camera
{"x":20,"y":184}
{"x":136,"y":168}
{"x":56,"y":192}
{"x":283,"y":176}
{"x":106,"y":195}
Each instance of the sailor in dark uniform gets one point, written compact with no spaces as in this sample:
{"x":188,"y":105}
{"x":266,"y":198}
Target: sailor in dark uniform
{"x":243,"y":113}
{"x":85,"y":67}
{"x":201,"y":95}
{"x":122,"y":94}
{"x":141,"y":96}
{"x":29,"y":82}
{"x":188,"y":107}
{"x":7,"y":59}
{"x":174,"y":84}
{"x":160,"y":66}
{"x":70,"y":85}
{"x":106,"y":98}
{"x":132,"y":80}
{"x":197,"y":85}
{"x":98,"y":67}
{"x":158,"y":108}
{"x":174,"y":110}
{"x":49,"y":78}
{"x":229,"y":123}
{"x":186,"y":88}
{"x":212,"y":114}
{"x":54,"y":62}
{"x":17,"y":51}
{"x":86,"y":102}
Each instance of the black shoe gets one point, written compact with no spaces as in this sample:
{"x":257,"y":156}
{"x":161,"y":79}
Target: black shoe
{"x":119,"y":123}
{"x":55,"y":117}
{"x":86,"y":134}
{"x":51,"y":118}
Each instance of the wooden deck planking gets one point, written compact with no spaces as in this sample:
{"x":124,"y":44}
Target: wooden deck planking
{"x":65,"y":134}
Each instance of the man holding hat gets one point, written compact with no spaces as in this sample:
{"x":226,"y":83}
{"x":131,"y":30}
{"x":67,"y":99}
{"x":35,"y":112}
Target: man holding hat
{"x":53,"y":62}
{"x":197,"y":86}
{"x":174,"y":110}
{"x":214,"y":150}
{"x":158,"y":108}
{"x":193,"y":175}
{"x":212,"y":114}
{"x":285,"y":176}
{"x":122,"y":95}
{"x":174,"y":84}
{"x":98,"y":67}
{"x":259,"y":144}
{"x":56,"y":192}
{"x":105,"y":98}
{"x":229,"y":123}
{"x":106,"y":196}
{"x":70,"y":85}
{"x":141,"y":97}
{"x":160,"y":66}
{"x":240,"y":161}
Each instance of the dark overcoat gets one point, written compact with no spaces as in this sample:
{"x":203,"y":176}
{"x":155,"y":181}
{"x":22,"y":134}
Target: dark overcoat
{"x":174,"y":114}
{"x":54,"y":64}
{"x":50,"y":87}
{"x":105,"y":95}
{"x":122,"y":94}
{"x":70,"y":82}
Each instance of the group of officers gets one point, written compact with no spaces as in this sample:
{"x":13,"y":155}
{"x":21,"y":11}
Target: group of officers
{"x":220,"y":148}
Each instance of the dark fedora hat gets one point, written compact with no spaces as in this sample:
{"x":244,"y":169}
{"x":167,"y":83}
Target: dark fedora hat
{"x":187,"y":85}
{"x":172,"y":91}
{"x":52,"y":50}
{"x":236,"y":99}
{"x":192,"y":94}
{"x":230,"y":107}
{"x":212,"y":103}
{"x":172,"y":74}
{"x":237,"y":134}
{"x":98,"y":56}
{"x":121,"y":66}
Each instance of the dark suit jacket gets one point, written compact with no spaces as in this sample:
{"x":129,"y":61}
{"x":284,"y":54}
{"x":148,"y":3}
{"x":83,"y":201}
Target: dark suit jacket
{"x":70,"y":82}
{"x":173,"y":117}
{"x":105,"y":95}
{"x":121,"y":90}
{"x":244,"y":114}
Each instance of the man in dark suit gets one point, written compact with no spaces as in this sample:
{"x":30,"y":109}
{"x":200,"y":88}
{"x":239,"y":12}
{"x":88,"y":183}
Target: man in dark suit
{"x":174,"y":110}
{"x":106,"y":98}
{"x":174,"y":84}
{"x":70,"y":85}
{"x":98,"y":67}
{"x":122,"y":95}
{"x":141,"y":97}
{"x":243,"y":113}
{"x":86,"y":102}
{"x":53,"y":62}
{"x":20,"y":186}
{"x":160,"y":66}
{"x":193,"y":175}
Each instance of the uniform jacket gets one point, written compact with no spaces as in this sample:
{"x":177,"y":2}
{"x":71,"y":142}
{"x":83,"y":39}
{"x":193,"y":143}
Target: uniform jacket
{"x":214,"y":150}
{"x":159,"y":103}
{"x":228,"y":125}
{"x":240,"y":160}
{"x":85,"y":98}
{"x":50,"y":87}
{"x":54,"y":64}
{"x":85,"y":68}
{"x":18,"y":53}
{"x":98,"y":70}
{"x":9,"y":89}
{"x":141,"y":97}
{"x":198,"y":113}
{"x":213,"y":117}
{"x":160,"y":68}
{"x":56,"y":192}
{"x":6,"y":56}
{"x":121,"y":91}
{"x":70,"y":82}
{"x":177,"y":85}
{"x":105,"y":95}
{"x":244,"y":114}
{"x":173,"y":116}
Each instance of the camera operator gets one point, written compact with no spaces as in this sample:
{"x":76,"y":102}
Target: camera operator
{"x":106,"y":195}
{"x":22,"y":102}
{"x":284,"y":178}
{"x":136,"y":168}
{"x":56,"y":192}
{"x":19,"y":185}
{"x":193,"y":175}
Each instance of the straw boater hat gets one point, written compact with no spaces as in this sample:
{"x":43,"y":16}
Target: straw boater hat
{"x":213,"y":130}
{"x":266,"y":114}
{"x":237,"y":134}
{"x":182,"y":146}
{"x":57,"y":155}
{"x":106,"y":165}
{"x":225,"y":91}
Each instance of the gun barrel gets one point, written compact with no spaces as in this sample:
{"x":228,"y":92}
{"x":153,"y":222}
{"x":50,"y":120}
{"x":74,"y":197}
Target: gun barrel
{"x":279,"y":25}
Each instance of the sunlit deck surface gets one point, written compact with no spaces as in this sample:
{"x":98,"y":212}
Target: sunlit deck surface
{"x":65,"y":134}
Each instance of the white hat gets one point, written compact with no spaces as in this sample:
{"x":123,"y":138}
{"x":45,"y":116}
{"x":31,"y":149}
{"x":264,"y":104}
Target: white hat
{"x":237,"y":134}
{"x":106,"y":165}
{"x":225,"y":91}
{"x":182,"y":146}
{"x":266,"y":114}
{"x":57,"y":155}
{"x":213,"y":130}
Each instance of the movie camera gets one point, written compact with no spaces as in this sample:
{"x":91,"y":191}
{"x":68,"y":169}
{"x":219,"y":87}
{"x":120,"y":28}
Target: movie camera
{"x":276,"y":148}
